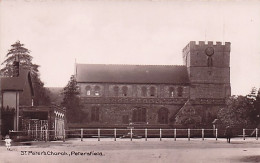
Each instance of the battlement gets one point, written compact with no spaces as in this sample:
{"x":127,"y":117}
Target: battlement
{"x":201,"y":45}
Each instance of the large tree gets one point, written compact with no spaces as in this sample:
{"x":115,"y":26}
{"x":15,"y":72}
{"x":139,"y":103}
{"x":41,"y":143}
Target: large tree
{"x":241,"y":111}
{"x":72,"y":103}
{"x":235,"y":113}
{"x":22,"y":55}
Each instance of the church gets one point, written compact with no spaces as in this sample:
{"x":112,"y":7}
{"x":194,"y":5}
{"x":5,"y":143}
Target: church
{"x":158,"y":95}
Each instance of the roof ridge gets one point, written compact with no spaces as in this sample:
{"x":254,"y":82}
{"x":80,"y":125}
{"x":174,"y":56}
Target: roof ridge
{"x":127,"y":64}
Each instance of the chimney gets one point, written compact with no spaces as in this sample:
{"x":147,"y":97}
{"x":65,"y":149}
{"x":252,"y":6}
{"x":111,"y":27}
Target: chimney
{"x":16,"y":66}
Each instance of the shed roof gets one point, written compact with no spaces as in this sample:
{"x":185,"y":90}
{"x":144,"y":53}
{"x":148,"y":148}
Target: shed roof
{"x":17,"y":83}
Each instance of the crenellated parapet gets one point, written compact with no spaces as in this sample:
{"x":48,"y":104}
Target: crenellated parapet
{"x":202,"y":45}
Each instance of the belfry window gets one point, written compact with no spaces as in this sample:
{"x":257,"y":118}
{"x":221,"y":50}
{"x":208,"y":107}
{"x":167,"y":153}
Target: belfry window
{"x":179,"y":91}
{"x":152,"y":91}
{"x":116,"y":90}
{"x":171,"y":92}
{"x":144,"y":91}
{"x":125,"y":89}
{"x":88,"y":90}
{"x":97,"y":90}
{"x":95,"y":114}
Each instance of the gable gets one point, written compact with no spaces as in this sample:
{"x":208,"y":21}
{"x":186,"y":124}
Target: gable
{"x":22,"y":83}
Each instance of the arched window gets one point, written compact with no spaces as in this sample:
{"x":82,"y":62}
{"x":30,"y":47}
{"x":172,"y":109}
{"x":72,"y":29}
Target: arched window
{"x":139,"y":115}
{"x":152,"y":91}
{"x":125,"y":89}
{"x":88,"y":90}
{"x":97,"y":90}
{"x":95,"y":114}
{"x":179,"y":91}
{"x":116,"y":90}
{"x":171,"y":91}
{"x":144,"y":91}
{"x":163,"y":116}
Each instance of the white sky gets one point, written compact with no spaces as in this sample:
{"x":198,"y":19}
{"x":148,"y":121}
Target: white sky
{"x":130,"y":32}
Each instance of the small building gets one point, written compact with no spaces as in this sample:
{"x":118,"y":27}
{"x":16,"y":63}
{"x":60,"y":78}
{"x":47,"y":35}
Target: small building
{"x":18,"y":112}
{"x":15,"y":92}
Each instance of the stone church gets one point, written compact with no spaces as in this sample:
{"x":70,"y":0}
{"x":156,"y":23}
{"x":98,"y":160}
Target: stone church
{"x":158,"y":95}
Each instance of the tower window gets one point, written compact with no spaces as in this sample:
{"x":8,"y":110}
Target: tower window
{"x":144,"y":91}
{"x":179,"y":91}
{"x":210,"y":62}
{"x":125,"y":89}
{"x":97,"y":90}
{"x":152,"y":91}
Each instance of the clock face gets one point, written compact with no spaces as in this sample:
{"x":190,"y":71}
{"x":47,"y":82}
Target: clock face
{"x":209,"y":51}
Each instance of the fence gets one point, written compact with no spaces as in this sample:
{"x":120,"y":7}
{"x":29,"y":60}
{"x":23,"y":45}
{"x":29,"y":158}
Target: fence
{"x":131,"y":133}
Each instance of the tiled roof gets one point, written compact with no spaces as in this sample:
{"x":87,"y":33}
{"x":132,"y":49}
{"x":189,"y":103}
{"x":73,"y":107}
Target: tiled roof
{"x":11,"y":84}
{"x":104,"y":73}
{"x":15,"y":83}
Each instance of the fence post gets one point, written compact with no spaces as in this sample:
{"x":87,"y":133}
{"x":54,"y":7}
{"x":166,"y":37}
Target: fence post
{"x":146,"y":134}
{"x":81,"y":134}
{"x":244,"y":134}
{"x":46,"y":135}
{"x":36,"y":135}
{"x":131,"y":134}
{"x":175,"y":132}
{"x":256,"y":133}
{"x":64,"y":132}
{"x":188,"y":134}
{"x":216,"y":134}
{"x":98,"y":134}
{"x":115,"y":133}
{"x":202,"y":134}
{"x":160,"y":134}
{"x":41,"y":135}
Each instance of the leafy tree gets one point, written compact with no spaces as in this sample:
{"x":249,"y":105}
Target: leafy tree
{"x":72,"y":103}
{"x":251,"y":101}
{"x":22,"y":55}
{"x":257,"y":107}
{"x":241,"y":110}
{"x":235,"y":113}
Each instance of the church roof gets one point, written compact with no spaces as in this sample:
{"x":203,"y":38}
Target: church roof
{"x":157,"y":74}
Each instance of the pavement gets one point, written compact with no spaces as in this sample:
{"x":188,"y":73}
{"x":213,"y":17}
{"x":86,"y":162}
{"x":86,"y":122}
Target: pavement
{"x":138,"y":150}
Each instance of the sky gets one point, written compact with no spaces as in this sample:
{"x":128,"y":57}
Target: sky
{"x":60,"y":33}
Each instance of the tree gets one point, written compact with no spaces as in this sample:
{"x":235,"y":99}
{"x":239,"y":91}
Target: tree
{"x":251,"y":100}
{"x":257,"y":107}
{"x":241,"y":110}
{"x":72,"y":103}
{"x":18,"y":53}
{"x":235,"y":113}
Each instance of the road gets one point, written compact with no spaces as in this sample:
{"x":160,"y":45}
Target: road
{"x":124,"y":151}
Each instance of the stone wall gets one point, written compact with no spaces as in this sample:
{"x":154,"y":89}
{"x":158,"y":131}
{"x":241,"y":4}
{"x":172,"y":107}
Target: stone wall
{"x":114,"y":113}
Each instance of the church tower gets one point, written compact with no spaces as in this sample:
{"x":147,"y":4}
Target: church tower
{"x":208,"y":68}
